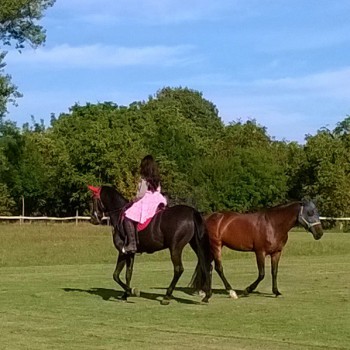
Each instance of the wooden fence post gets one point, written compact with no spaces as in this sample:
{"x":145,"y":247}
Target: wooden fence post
{"x":22,"y":220}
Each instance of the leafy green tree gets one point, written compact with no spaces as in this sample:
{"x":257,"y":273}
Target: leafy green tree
{"x":6,"y":202}
{"x":203,"y":162}
{"x":245,"y":135}
{"x":241,"y":172}
{"x":328,"y":169}
{"x":18,"y":26}
{"x":246,"y":179}
{"x":11,"y":151}
{"x":180,"y":126}
{"x":18,"y":21}
{"x":100,"y":146}
{"x":292,"y":158}
{"x":105,"y":142}
{"x":193,"y":106}
{"x":23,"y":169}
{"x":8,"y":91}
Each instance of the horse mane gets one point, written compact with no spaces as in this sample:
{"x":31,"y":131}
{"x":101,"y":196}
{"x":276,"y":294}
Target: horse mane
{"x":114,"y":194}
{"x":282,"y":206}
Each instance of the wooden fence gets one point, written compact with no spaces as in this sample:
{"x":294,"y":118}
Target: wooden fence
{"x":78,"y":218}
{"x":23,"y":219}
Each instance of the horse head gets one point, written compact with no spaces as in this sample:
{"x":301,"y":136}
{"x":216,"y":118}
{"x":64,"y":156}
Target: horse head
{"x":97,"y":209}
{"x":106,"y":200}
{"x":309,"y":218}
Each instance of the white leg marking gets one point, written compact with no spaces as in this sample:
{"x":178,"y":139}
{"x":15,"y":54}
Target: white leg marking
{"x":233,"y":294}
{"x":201,"y":293}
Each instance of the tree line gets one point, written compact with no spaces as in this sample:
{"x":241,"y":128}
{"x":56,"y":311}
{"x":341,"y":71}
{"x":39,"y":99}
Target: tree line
{"x":203,"y":162}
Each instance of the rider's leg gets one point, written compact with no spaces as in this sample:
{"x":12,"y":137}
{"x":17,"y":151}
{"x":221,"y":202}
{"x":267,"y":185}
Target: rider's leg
{"x":130,"y":231}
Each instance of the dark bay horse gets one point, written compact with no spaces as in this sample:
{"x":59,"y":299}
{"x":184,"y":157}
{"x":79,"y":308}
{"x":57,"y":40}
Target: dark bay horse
{"x":264,"y":233}
{"x":171,"y":228}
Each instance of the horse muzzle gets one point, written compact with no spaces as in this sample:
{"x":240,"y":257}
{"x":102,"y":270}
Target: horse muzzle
{"x":317,"y":231}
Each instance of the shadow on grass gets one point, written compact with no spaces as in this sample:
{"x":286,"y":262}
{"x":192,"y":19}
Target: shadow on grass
{"x":108,"y":294}
{"x":105,"y":294}
{"x":240,"y":293}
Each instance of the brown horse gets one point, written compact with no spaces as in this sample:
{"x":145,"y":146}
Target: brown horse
{"x":264,"y":233}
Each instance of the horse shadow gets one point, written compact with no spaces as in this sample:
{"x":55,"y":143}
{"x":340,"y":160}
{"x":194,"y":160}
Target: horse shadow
{"x":220,"y":291}
{"x":115,"y":295}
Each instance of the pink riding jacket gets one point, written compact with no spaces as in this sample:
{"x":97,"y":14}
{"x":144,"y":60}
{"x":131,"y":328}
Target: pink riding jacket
{"x":145,"y":207}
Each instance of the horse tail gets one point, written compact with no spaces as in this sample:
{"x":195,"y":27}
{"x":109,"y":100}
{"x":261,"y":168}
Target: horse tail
{"x":201,"y":279}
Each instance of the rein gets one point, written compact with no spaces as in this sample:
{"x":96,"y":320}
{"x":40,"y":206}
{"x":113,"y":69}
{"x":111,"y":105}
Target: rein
{"x":309,"y":225}
{"x":107,"y":211}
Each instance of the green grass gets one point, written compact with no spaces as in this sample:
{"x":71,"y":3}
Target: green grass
{"x":57,"y":292}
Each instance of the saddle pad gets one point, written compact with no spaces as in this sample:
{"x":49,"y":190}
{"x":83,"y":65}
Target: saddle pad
{"x":141,"y":227}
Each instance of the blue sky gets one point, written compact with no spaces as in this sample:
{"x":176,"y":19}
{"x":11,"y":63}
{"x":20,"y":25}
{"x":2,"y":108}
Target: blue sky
{"x":284,"y":63}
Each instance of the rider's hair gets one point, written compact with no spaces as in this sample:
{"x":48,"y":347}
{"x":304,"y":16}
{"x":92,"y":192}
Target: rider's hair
{"x":150,"y":172}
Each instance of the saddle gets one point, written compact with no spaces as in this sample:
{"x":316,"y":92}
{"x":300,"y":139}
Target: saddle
{"x":141,"y":227}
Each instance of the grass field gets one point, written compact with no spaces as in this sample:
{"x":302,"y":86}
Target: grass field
{"x":57,"y":292}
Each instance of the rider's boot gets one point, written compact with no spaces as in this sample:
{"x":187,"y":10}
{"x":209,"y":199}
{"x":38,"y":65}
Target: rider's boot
{"x":130,"y":231}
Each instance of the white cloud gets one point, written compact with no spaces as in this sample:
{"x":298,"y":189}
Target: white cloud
{"x":289,"y":107}
{"x":332,"y":83}
{"x":148,"y":11}
{"x":99,"y":56}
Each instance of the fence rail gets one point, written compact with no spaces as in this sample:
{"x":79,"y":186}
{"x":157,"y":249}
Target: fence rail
{"x":82,"y":218}
{"x":48,"y":218}
{"x":336,"y":219}
{"x":22,"y":219}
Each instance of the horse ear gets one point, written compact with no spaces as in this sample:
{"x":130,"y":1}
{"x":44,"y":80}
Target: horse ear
{"x":305,"y":200}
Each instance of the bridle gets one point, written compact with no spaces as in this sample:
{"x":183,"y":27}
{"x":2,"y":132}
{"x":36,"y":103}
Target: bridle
{"x":99,"y":205}
{"x":308,"y":224}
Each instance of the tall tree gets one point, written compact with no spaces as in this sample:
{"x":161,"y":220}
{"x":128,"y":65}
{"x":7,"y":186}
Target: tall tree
{"x":327,"y":171}
{"x":193,"y":106}
{"x":100,"y":147}
{"x":181,"y":127}
{"x":11,"y":151}
{"x":18,"y":26}
{"x":8,"y":91}
{"x":6,"y":202}
{"x":242,"y":171}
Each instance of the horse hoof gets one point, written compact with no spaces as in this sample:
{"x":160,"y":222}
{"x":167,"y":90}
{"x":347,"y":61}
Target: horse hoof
{"x":165,"y":302}
{"x":233,"y":294}
{"x":277,"y":294}
{"x":246,"y":292}
{"x":135,"y":292}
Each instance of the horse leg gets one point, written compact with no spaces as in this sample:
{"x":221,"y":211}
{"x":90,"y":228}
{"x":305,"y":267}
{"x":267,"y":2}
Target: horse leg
{"x":117,"y":240}
{"x":130,"y":259}
{"x":121,"y":262}
{"x":220,"y":270}
{"x":274,"y":268}
{"x":260,"y":259}
{"x":178,"y":270}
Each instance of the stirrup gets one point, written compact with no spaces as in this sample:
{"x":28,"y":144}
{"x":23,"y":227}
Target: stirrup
{"x":127,"y":251}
